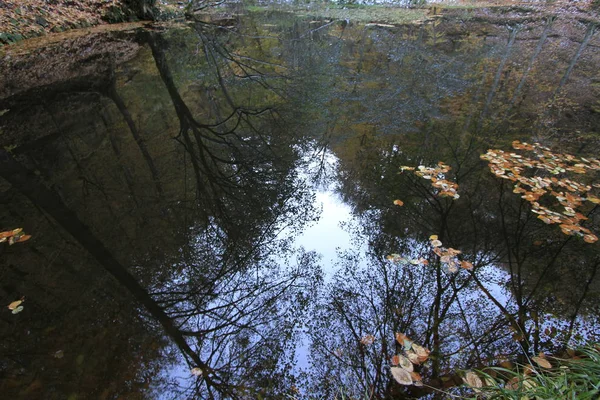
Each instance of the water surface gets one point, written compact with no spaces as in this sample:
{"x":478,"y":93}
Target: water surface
{"x":221,"y":196}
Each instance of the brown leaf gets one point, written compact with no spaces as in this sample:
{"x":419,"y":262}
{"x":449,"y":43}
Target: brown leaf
{"x":542,"y":362}
{"x":473,"y":380}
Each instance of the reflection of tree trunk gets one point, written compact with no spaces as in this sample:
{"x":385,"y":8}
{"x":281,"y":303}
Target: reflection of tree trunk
{"x":28,"y":183}
{"x":492,"y":92}
{"x":588,"y":35}
{"x":114,"y":96}
{"x":117,"y":151}
{"x":580,"y":302}
{"x":534,"y":56}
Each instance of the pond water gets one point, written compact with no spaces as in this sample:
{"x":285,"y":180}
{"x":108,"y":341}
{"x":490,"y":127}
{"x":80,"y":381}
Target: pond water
{"x":229,"y":209}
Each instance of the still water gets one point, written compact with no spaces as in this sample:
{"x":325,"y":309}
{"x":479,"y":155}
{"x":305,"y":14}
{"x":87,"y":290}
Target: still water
{"x":229,"y":209}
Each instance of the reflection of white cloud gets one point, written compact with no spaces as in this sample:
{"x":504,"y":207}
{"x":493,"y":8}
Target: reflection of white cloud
{"x":326,"y":235}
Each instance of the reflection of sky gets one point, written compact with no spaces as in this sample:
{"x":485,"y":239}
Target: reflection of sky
{"x":326,"y":236}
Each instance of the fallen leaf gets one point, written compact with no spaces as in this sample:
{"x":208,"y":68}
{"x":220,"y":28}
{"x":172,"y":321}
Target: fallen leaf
{"x":405,"y":363}
{"x":415,"y":376}
{"x":542,"y":362}
{"x":398,"y":202}
{"x":472,"y":380}
{"x":17,"y":310}
{"x":413,"y":357}
{"x":401,"y":376}
{"x":466,"y":265}
{"x":368,"y":339}
{"x":14,"y":304}
{"x":196,"y":371}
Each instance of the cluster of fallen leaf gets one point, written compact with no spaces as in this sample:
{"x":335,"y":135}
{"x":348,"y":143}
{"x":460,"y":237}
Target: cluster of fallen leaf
{"x":16,"y":306}
{"x":448,"y":257}
{"x":14,"y":236}
{"x":403,"y":363}
{"x":548,"y":184}
{"x":437,"y":177}
{"x":489,"y":375}
{"x":30,"y":18}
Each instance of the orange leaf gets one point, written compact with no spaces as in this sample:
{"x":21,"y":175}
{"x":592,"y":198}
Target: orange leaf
{"x":590,"y":238}
{"x":415,"y":376}
{"x":466,"y":265}
{"x":398,"y":202}
{"x":23,"y":238}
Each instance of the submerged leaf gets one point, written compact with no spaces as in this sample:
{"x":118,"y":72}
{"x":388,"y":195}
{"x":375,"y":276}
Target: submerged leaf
{"x":17,"y":310}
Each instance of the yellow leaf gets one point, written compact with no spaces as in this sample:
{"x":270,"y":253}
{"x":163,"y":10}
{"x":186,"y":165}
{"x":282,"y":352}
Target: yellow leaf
{"x":433,"y":237}
{"x":15,"y":304}
{"x":542,"y":362}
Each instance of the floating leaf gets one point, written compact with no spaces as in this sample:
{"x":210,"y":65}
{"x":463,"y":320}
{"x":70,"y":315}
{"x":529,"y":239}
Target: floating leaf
{"x":413,"y":357}
{"x":23,"y":238}
{"x":398,"y":202}
{"x":472,"y":380}
{"x":421,"y":351}
{"x":15,"y":304}
{"x":401,"y":376}
{"x":436,"y":243}
{"x":542,"y":362}
{"x":59,"y":354}
{"x":196,"y":371}
{"x":433,"y":237}
{"x":17,"y":310}
{"x":590,"y":238}
{"x":416,"y":376}
{"x":395,"y":359}
{"x":466,"y":265}
{"x":405,"y":363}
{"x":401,"y":337}
{"x":368,"y":339}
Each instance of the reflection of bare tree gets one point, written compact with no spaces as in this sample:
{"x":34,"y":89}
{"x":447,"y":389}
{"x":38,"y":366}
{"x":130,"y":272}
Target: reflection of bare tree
{"x":514,"y":303}
{"x":231,"y":298}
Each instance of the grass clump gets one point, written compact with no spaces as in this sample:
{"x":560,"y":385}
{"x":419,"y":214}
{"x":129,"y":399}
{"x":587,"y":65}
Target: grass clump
{"x":574,"y":377}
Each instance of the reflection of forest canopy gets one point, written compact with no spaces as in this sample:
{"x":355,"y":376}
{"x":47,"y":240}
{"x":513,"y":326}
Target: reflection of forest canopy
{"x":532,"y":289}
{"x":203,"y":231}
{"x":194,"y":205}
